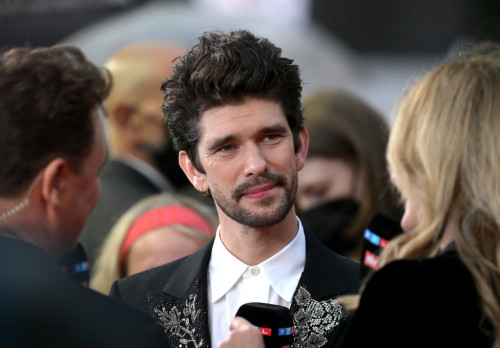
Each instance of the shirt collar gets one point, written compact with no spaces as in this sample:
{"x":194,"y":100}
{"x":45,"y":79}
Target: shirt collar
{"x":283,"y":269}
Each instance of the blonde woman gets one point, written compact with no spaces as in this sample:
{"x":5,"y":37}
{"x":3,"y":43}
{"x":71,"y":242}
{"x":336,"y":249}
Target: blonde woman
{"x":155,"y":231}
{"x":444,"y":156}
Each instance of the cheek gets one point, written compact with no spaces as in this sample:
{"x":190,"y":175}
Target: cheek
{"x":223,"y":178}
{"x":93,"y":191}
{"x":409,"y":220}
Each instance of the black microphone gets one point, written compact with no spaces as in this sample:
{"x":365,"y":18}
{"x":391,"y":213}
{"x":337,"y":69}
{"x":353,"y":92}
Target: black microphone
{"x":381,"y":229}
{"x":273,"y":321}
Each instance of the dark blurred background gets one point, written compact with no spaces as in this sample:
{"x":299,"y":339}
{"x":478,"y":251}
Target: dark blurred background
{"x":370,"y":47}
{"x":416,"y":26}
{"x":423,"y":26}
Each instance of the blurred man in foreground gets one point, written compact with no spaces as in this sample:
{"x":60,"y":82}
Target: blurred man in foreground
{"x":52,"y":148}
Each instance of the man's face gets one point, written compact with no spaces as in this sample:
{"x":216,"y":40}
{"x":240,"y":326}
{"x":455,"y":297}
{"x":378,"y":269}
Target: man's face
{"x":250,"y":165}
{"x":85,"y":186}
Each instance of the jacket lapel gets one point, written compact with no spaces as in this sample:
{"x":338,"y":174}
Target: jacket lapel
{"x":324,"y":273}
{"x":193,"y":268}
{"x":315,"y":310}
{"x":183,"y":307}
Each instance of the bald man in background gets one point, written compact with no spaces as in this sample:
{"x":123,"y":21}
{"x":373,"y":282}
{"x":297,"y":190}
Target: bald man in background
{"x":141,"y":162}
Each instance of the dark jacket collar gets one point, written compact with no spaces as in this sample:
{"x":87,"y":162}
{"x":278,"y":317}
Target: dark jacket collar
{"x":335,"y":271}
{"x":193,"y":267}
{"x":318,"y":265}
{"x":17,"y":253}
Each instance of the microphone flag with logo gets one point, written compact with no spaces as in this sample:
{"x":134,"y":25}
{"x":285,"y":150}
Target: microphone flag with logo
{"x":273,"y":321}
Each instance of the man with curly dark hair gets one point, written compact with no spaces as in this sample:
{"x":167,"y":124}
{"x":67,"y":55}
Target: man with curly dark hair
{"x":234,"y":113}
{"x":52,"y":147}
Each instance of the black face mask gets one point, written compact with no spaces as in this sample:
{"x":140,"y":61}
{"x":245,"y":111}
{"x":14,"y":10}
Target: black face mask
{"x":329,"y":223}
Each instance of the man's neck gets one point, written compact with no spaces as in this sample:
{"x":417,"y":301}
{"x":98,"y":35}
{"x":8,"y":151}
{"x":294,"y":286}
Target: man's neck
{"x":27,"y":226}
{"x":255,"y":245}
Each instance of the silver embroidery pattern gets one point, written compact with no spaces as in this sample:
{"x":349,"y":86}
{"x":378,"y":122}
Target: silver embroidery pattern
{"x":181,"y":325}
{"x":314,"y":320}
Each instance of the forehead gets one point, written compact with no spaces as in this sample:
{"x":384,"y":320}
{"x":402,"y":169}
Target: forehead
{"x":253,"y":115}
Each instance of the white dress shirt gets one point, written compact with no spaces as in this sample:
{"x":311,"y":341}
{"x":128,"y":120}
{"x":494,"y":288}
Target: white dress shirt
{"x":232,"y":283}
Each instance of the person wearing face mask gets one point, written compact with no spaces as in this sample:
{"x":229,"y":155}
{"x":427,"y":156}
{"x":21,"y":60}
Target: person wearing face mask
{"x":137,"y":137}
{"x":344,"y":181}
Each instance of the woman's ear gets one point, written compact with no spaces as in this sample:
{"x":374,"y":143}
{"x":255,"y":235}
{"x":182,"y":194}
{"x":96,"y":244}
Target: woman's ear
{"x":195,"y":177}
{"x":301,"y":154}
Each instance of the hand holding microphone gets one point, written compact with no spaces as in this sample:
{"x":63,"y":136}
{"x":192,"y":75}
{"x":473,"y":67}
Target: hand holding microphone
{"x":260,"y":325}
{"x":243,"y":334}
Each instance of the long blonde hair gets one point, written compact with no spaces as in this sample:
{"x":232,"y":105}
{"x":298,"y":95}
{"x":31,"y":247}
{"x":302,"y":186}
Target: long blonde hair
{"x":444,"y":148}
{"x":107,"y":268}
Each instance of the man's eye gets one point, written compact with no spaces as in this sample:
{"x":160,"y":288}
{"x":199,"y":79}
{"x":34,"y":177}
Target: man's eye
{"x":227,"y":148}
{"x":271,"y":137}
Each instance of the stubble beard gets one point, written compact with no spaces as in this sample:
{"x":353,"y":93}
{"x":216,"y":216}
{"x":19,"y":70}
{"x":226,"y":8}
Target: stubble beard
{"x":258,"y":219}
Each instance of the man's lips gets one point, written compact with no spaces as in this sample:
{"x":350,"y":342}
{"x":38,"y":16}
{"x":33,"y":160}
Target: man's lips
{"x":259,"y":191}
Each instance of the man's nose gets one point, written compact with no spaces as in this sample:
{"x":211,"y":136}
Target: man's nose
{"x":255,"y":161}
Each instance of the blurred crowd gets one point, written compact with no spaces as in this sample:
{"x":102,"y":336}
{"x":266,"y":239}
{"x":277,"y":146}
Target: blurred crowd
{"x":102,"y":180}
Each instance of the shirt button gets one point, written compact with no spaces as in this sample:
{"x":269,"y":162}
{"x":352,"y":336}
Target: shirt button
{"x":255,"y":271}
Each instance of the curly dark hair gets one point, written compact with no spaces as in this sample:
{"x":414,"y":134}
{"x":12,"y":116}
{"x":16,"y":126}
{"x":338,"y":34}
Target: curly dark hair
{"x":225,"y":69}
{"x":48,"y":94}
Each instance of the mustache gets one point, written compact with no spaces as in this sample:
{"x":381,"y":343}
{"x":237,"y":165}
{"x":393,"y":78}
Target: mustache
{"x":266,"y":178}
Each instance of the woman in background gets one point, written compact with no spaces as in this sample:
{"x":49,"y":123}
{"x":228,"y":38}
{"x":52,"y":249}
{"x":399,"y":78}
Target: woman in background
{"x":344,"y":181}
{"x":155,"y":231}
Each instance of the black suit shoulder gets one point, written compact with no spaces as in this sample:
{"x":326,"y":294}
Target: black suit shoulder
{"x":133,"y":288}
{"x":329,"y":270}
{"x":42,"y":307}
{"x":175,"y":278}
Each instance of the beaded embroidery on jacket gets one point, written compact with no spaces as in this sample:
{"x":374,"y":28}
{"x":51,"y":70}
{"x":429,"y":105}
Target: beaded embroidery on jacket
{"x":183,"y":324}
{"x":313,"y":320}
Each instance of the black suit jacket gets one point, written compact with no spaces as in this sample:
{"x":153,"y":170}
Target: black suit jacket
{"x":176,"y":295}
{"x":121,"y":187}
{"x":42,"y":307}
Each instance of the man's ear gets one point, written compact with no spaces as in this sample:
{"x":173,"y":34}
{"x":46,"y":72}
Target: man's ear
{"x":122,"y":118}
{"x":55,"y":180}
{"x":121,"y":114}
{"x":196,"y":177}
{"x":301,"y":154}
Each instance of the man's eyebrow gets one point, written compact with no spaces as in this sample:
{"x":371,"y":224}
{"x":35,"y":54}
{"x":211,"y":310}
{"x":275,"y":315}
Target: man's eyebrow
{"x":274,"y":129}
{"x":217,"y":143}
